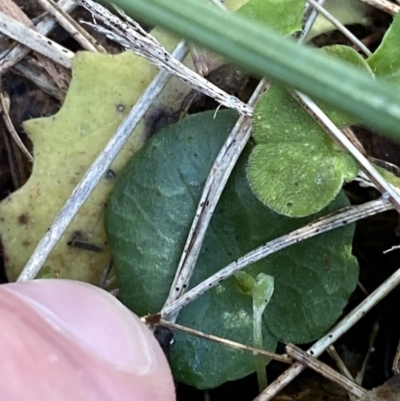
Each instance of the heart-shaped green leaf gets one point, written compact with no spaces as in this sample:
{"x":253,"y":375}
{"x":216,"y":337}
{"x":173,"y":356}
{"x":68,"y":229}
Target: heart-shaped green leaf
{"x":296,"y":168}
{"x":148,"y":217}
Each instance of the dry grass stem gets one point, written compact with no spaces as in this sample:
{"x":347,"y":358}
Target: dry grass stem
{"x":324,"y":370}
{"x":35,"y":41}
{"x":340,"y":27}
{"x":13,"y":11}
{"x":31,"y":70}
{"x":215,"y":184}
{"x":95,"y":173}
{"x":371,"y":345}
{"x":396,"y":361}
{"x":333,"y":335}
{"x":339,"y":362}
{"x":383,"y":5}
{"x":342,"y":368}
{"x":15,"y":162}
{"x":372,"y":173}
{"x":334,"y":220}
{"x":130,"y":35}
{"x":199,"y":60}
{"x":311,"y":15}
{"x":228,"y":343}
{"x":10,"y":57}
{"x":71,"y":26}
{"x":11,"y":129}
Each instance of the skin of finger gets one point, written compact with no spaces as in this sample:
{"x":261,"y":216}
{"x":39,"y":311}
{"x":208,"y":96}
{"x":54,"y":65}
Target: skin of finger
{"x":64,"y":340}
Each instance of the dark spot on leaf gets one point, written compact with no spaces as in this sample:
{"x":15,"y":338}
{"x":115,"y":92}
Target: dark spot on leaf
{"x":110,"y":175}
{"x":289,"y":204}
{"x":87,"y":246}
{"x":120,"y":107}
{"x":77,"y":235}
{"x":23,"y":218}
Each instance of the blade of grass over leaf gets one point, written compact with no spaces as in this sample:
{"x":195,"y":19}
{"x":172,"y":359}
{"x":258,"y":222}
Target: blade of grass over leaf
{"x":264,"y":52}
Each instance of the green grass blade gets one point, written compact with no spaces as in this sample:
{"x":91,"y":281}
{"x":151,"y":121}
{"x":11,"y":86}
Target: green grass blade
{"x":266,"y":53}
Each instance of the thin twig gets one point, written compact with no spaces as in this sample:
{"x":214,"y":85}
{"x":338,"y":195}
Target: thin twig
{"x":199,"y":60}
{"x":371,"y":345}
{"x":11,"y":129}
{"x":71,"y":26}
{"x":340,"y":27}
{"x":383,"y":5}
{"x":342,"y":368}
{"x":32,"y":70}
{"x":35,"y":41}
{"x":130,"y":35}
{"x":342,"y":139}
{"x":220,"y":172}
{"x":106,"y":272}
{"x":228,"y":343}
{"x":334,"y":220}
{"x":12,"y":56}
{"x":339,"y":362}
{"x":17,"y":171}
{"x":95,"y":173}
{"x":324,"y":370}
{"x":333,"y":335}
{"x":312,"y":16}
{"x":11,"y":9}
{"x":215,"y":184}
{"x":396,"y":360}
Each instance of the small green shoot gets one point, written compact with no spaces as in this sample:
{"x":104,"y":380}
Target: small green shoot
{"x":261,"y":290}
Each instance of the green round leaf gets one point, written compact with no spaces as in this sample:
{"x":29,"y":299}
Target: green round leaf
{"x":294,"y":182}
{"x":148,"y":217}
{"x":296,"y":169}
